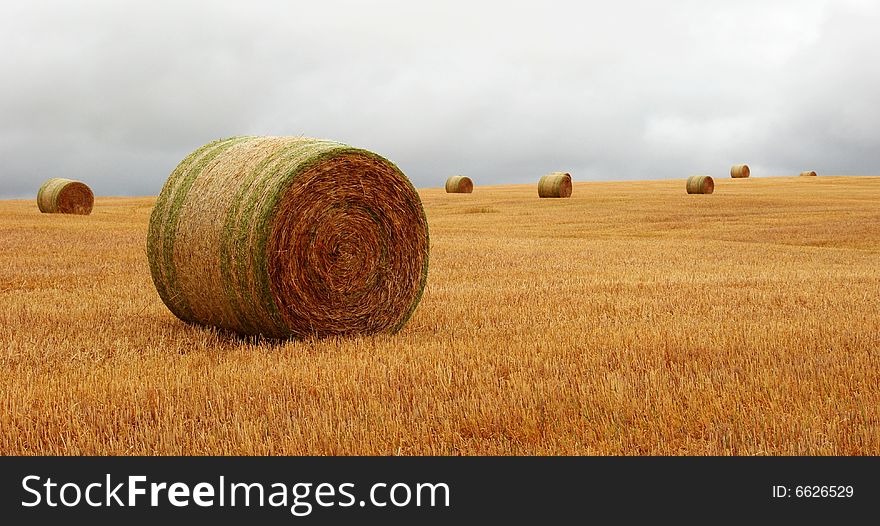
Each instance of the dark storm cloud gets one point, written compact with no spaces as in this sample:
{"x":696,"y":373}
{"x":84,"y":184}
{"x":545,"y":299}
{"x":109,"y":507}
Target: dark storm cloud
{"x":117,"y":93}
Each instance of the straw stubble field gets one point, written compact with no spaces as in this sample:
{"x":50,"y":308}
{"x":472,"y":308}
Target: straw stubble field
{"x":630,"y":319}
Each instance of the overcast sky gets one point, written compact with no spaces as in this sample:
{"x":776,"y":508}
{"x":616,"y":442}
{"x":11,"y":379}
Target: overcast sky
{"x":117,"y":93}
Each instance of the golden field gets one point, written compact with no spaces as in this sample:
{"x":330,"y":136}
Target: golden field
{"x":630,"y":319}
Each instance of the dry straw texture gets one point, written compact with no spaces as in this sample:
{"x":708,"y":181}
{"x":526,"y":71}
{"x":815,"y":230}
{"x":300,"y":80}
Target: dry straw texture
{"x":700,"y":184}
{"x":588,"y":334}
{"x":459,"y":184}
{"x":556,"y":184}
{"x":65,"y":196}
{"x":289,"y":237}
{"x":739,"y":171}
{"x":808,"y":174}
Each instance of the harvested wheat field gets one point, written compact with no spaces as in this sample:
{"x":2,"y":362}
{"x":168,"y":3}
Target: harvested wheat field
{"x":628,"y":319}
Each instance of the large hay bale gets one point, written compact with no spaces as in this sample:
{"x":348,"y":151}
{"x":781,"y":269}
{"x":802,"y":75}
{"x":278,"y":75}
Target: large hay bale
{"x":65,"y":196}
{"x":740,"y":171}
{"x":808,"y":174}
{"x":700,"y":184}
{"x":555,"y":184}
{"x":289,"y":237}
{"x":459,"y":184}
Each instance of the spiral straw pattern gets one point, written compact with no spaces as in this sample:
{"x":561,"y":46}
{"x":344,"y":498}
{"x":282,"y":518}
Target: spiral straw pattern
{"x":65,"y":196}
{"x":289,"y":237}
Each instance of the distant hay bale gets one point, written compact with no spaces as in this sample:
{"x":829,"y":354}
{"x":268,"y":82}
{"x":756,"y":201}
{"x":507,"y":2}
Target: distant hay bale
{"x":459,"y":184}
{"x":555,"y":184}
{"x":65,"y":196}
{"x":808,"y":174}
{"x":289,"y":237}
{"x":700,"y":184}
{"x":739,"y":171}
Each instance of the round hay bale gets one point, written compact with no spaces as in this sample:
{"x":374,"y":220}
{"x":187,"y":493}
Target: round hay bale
{"x":459,"y":184}
{"x":740,"y":171}
{"x":700,"y":184}
{"x":65,"y":196}
{"x":555,"y":184}
{"x":289,"y":237}
{"x":808,"y":174}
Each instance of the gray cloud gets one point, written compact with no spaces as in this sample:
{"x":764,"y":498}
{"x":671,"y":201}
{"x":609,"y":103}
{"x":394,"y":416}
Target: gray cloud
{"x":117,"y":93}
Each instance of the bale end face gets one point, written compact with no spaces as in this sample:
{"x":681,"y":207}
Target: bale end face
{"x":459,"y":184}
{"x":700,"y":184}
{"x":740,"y":171}
{"x":808,"y":174}
{"x":65,"y":196}
{"x":556,"y":184}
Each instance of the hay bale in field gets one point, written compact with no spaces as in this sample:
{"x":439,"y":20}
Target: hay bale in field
{"x":555,"y":184}
{"x":459,"y":184}
{"x":700,"y":184}
{"x":289,"y":237}
{"x":808,"y":174}
{"x":65,"y":196}
{"x":739,"y":171}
